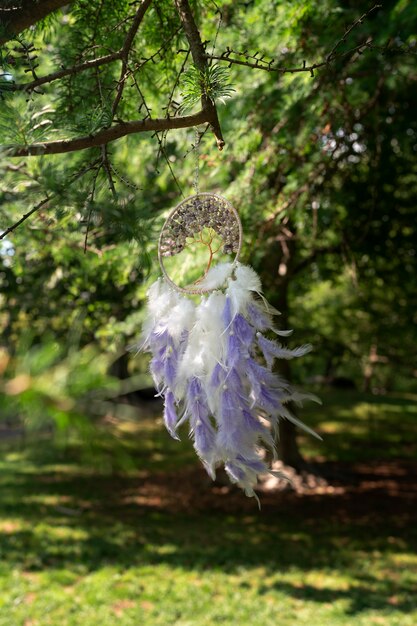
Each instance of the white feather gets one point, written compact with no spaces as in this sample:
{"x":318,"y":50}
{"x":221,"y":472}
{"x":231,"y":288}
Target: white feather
{"x":213,"y":341}
{"x":298,"y":397}
{"x":286,"y":353}
{"x":181,"y":318}
{"x":239,"y":297}
{"x":291,"y":418}
{"x":247,"y":278}
{"x":161,"y":297}
{"x":206,"y":343}
{"x":271,"y":310}
{"x":192,"y":361}
{"x":282,"y":333}
{"x":217,"y":276}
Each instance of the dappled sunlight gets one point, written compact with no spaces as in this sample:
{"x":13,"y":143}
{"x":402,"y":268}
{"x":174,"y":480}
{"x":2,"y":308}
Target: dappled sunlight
{"x":106,"y":546}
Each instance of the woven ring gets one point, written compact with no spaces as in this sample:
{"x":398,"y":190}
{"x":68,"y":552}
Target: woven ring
{"x":222,"y":204}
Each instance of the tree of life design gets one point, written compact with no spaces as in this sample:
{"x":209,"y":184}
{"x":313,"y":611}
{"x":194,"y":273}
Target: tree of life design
{"x":202,"y":228}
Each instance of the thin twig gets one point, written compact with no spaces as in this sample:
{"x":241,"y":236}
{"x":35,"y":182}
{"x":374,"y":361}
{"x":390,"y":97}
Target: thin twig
{"x":177,"y":80}
{"x":270,"y":67}
{"x":13,"y":227}
{"x":75,"y":69}
{"x":161,"y":149}
{"x":43,"y":202}
{"x":107,"y":169}
{"x":140,"y":14}
{"x":350,"y":29}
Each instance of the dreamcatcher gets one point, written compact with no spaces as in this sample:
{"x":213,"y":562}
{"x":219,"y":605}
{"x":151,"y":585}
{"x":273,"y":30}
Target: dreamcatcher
{"x":211,"y":346}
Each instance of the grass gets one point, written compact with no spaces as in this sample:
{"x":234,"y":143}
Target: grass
{"x":84,"y":547}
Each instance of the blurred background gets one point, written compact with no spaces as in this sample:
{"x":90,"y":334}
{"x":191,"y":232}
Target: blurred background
{"x":104,"y":518}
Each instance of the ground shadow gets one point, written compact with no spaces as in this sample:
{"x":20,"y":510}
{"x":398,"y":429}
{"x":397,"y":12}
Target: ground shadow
{"x":84,"y":522}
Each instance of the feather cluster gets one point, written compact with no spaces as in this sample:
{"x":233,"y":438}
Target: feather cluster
{"x":213,"y":365}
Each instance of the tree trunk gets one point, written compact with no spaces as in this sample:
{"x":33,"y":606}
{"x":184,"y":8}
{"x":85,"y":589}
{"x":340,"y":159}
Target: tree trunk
{"x":369,"y":368}
{"x":275,"y":272}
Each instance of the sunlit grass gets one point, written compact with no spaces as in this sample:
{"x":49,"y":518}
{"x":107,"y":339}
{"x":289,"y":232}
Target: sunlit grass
{"x":356,"y":426}
{"x":74,"y":550}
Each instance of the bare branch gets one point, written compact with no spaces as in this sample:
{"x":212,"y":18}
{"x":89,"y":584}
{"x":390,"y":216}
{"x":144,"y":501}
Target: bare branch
{"x":349,"y":30}
{"x":268,"y":66}
{"x":121,"y":54}
{"x":75,"y":69}
{"x":45,"y":201}
{"x":87,"y":65}
{"x":107,"y":135}
{"x":124,"y":53}
{"x":200,"y":60}
{"x":25,"y":217}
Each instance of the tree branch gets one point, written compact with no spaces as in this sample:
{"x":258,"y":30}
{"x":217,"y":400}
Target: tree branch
{"x":356,"y":23}
{"x":124,"y":53}
{"x":121,"y":54}
{"x":268,"y":66}
{"x":24,"y":217}
{"x":87,"y":65}
{"x":17,"y":16}
{"x":107,"y":135}
{"x":200,"y":60}
{"x":75,"y":69}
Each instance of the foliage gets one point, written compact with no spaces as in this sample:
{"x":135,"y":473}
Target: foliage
{"x":322,"y":169}
{"x":213,"y":83}
{"x":41,"y":386}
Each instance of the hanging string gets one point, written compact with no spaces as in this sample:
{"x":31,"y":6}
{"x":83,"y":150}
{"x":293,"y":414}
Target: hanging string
{"x":219,"y":23}
{"x":196,"y":181}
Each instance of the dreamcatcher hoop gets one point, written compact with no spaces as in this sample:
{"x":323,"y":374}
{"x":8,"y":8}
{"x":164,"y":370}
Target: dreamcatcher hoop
{"x":191,"y":216}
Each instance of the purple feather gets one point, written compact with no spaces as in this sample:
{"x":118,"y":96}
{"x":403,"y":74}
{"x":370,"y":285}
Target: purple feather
{"x":254,"y":379}
{"x":269,"y":400}
{"x":236,"y":473}
{"x":259,"y":319}
{"x":194,"y":390}
{"x":251,"y":422}
{"x":258,"y":373}
{"x":170,"y":414}
{"x":233,"y":353}
{"x":158,"y":341}
{"x":273,"y":349}
{"x":268,"y":348}
{"x":229,"y":406}
{"x":157,"y":369}
{"x":231,"y":434}
{"x":204,"y":438}
{"x":234,"y":382}
{"x":171,"y":366}
{"x":201,"y":427}
{"x":255,"y":464}
{"x":217,"y":376}
{"x":197,"y":406}
{"x":243,"y":330}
